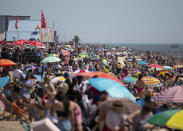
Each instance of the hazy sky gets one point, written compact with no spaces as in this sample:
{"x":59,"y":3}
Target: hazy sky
{"x":107,"y":21}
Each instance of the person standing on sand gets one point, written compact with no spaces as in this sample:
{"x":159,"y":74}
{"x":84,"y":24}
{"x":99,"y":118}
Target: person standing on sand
{"x":140,"y":85}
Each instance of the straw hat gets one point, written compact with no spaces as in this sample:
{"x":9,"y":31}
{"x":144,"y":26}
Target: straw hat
{"x":117,"y":106}
{"x":62,"y":86}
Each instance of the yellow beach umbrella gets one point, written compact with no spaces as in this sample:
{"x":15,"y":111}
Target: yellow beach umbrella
{"x":163,"y":73}
{"x":68,"y":46}
{"x":176,"y":121}
{"x":169,"y":118}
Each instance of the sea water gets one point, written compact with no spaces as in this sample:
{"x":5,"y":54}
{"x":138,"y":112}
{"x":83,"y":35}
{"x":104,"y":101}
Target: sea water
{"x":162,"y":48}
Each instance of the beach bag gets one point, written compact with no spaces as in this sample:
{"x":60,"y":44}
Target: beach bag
{"x":43,"y":125}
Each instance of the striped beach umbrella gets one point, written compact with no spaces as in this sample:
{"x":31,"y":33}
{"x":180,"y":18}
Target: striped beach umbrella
{"x":172,"y":94}
{"x":151,"y":81}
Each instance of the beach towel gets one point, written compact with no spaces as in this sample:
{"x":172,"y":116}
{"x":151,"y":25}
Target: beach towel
{"x":43,"y":125}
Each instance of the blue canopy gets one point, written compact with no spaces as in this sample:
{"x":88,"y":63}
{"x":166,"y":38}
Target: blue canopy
{"x":114,"y":88}
{"x":141,"y":62}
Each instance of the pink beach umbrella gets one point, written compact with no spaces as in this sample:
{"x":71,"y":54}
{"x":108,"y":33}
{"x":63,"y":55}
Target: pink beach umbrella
{"x":66,"y":53}
{"x":172,"y":94}
{"x":154,"y":65}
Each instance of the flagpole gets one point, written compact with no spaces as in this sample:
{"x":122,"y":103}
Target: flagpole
{"x":17,"y":33}
{"x":53,"y":32}
{"x":41,"y":29}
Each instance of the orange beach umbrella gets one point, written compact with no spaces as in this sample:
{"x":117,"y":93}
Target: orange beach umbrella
{"x":91,"y":74}
{"x":6,"y":62}
{"x":178,"y":66}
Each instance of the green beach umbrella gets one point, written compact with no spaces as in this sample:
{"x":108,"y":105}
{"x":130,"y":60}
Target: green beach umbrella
{"x":50,"y":59}
{"x":162,"y":118}
{"x":27,"y":47}
{"x":83,"y":55}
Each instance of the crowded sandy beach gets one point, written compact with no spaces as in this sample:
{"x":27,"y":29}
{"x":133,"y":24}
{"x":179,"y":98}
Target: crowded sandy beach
{"x":84,"y":87}
{"x":91,"y":65}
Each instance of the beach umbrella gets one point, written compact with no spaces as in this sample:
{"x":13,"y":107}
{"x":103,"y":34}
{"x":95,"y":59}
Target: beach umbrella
{"x":29,"y":46}
{"x":91,"y":74}
{"x":37,"y":44}
{"x":50,"y":59}
{"x":53,"y":55}
{"x":20,"y":42}
{"x":162,"y":73}
{"x":83,"y":55}
{"x":3,"y":81}
{"x":60,"y":78}
{"x":171,"y":94}
{"x":177,"y":66}
{"x":129,"y":79}
{"x":68,"y":46}
{"x":66,"y":53}
{"x":6,"y":62}
{"x":167,"y":67}
{"x":151,"y":81}
{"x":170,"y":118}
{"x":141,"y":63}
{"x":114,"y":89}
{"x":79,"y":71}
{"x":136,"y":73}
{"x":154,"y":65}
{"x":5,"y":42}
{"x":94,"y":58}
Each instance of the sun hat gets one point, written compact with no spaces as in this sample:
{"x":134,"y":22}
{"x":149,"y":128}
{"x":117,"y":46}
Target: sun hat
{"x":117,"y":106}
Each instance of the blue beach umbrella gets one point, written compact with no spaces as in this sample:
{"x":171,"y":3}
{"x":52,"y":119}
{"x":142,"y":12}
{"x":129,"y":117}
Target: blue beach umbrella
{"x":167,"y":67}
{"x":3,"y":81}
{"x":114,"y":88}
{"x":141,"y":63}
{"x":130,"y":79}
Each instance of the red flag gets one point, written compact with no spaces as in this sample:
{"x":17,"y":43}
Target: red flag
{"x":43,"y":21}
{"x":16,"y":23}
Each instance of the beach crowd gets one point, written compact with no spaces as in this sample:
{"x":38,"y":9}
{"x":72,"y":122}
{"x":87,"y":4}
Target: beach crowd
{"x":69,"y":88}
